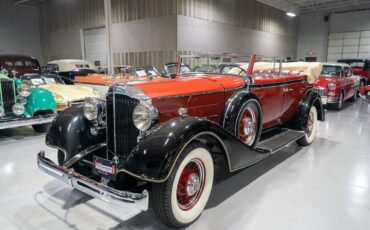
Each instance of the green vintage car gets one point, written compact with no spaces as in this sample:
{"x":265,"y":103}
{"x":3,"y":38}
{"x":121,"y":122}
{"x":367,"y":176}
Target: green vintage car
{"x":21,"y":105}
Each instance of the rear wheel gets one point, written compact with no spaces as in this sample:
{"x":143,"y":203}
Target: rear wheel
{"x":339,"y":104}
{"x":310,"y":130}
{"x":181,"y":199}
{"x":248,"y":122}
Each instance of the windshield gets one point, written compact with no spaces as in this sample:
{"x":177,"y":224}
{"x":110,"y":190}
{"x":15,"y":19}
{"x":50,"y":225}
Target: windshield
{"x":354,"y":64}
{"x":331,"y":70}
{"x":172,"y":67}
{"x":36,"y":80}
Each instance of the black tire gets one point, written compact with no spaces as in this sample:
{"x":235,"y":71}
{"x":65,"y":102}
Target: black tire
{"x":165,"y":201}
{"x":310,"y":129}
{"x":250,"y":106}
{"x":42,"y":128}
{"x":61,"y":157}
{"x":339,"y":104}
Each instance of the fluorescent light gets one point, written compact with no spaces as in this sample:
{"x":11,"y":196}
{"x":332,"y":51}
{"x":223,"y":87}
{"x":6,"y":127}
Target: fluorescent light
{"x":291,"y":14}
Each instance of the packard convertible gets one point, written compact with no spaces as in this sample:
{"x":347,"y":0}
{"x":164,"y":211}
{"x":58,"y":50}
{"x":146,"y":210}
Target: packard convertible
{"x":155,"y":142}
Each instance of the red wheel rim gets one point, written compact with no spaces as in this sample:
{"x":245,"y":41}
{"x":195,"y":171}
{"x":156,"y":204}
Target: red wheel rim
{"x":191,"y":184}
{"x":248,"y":126}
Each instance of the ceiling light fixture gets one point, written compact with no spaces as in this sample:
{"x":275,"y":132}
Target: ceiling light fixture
{"x":291,"y":14}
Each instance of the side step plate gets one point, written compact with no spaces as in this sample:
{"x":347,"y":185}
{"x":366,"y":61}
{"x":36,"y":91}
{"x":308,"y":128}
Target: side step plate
{"x":279,"y":141}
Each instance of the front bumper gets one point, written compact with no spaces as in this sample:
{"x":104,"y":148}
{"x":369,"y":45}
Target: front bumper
{"x":18,"y":122}
{"x":135,"y":202}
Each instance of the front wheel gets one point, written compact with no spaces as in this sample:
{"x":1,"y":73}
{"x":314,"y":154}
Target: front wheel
{"x":181,"y":199}
{"x":310,"y":130}
{"x":339,"y":104}
{"x":42,"y":128}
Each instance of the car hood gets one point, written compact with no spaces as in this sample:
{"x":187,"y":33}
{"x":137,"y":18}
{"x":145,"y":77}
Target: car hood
{"x":70,"y":93}
{"x":188,"y":85}
{"x":323,"y":81}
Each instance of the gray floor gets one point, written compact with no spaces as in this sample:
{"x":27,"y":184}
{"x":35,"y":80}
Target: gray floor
{"x":323,"y":186}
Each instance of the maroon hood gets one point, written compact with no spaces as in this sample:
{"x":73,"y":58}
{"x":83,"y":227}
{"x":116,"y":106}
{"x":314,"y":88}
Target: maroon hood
{"x":324,"y":80}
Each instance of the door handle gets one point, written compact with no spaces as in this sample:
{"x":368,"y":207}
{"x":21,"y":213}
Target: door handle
{"x":286,"y":90}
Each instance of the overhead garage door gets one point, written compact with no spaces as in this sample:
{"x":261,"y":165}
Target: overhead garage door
{"x":95,"y":45}
{"x":349,"y":45}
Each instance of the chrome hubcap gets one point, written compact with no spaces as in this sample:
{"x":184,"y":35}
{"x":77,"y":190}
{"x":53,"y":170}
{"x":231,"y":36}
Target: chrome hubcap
{"x":193,"y":185}
{"x":248,"y":126}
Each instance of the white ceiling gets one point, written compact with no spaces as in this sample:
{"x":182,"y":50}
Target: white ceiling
{"x":307,"y":6}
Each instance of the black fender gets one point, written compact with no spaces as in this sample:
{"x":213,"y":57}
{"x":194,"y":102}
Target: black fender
{"x":155,"y":156}
{"x":70,"y":132}
{"x":299,"y":120}
{"x":233,"y":105}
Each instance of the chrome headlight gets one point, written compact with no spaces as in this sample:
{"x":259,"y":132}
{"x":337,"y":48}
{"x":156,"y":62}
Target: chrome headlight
{"x":93,"y":108}
{"x":332,"y":85}
{"x":18,"y":109}
{"x":58,"y":98}
{"x":2,"y":111}
{"x":144,"y":116}
{"x":24,"y":90}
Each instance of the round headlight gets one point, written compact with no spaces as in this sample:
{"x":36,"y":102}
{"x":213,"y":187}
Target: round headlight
{"x":2,"y":111}
{"x":24,"y":90}
{"x":144,"y":116}
{"x":90,"y":110}
{"x":58,"y":98}
{"x":18,"y":109}
{"x":332,"y":85}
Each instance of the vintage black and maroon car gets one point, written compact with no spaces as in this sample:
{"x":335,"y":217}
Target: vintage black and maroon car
{"x":336,"y":84}
{"x":18,"y":65}
{"x":360,"y":67}
{"x":157,"y":140}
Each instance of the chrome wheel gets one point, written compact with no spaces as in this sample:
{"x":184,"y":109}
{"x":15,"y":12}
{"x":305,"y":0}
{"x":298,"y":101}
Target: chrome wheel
{"x":248,"y":124}
{"x":191,"y":184}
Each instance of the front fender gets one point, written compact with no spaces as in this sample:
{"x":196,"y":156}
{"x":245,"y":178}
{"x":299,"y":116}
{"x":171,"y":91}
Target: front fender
{"x":70,"y":132}
{"x":40,"y":100}
{"x":155,"y":156}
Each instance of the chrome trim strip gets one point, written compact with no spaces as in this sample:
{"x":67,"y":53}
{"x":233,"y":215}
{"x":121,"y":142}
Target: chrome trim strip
{"x":27,"y":121}
{"x":134,"y":201}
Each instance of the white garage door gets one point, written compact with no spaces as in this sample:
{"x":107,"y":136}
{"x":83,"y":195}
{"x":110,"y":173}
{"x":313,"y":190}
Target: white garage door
{"x":95,"y":45}
{"x":348,"y":45}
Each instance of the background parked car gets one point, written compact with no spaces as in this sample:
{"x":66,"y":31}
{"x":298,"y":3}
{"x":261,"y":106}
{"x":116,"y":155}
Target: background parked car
{"x":64,"y":95}
{"x":360,"y":67}
{"x":169,"y":69}
{"x":336,"y":84}
{"x":18,"y":65}
{"x":21,"y":105}
{"x":69,"y":68}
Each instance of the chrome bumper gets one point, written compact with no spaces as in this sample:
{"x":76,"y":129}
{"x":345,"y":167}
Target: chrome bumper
{"x":18,"y":122}
{"x":135,"y":202}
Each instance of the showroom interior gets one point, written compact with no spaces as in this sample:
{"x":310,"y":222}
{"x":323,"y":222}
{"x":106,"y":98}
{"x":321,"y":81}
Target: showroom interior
{"x":188,"y":114}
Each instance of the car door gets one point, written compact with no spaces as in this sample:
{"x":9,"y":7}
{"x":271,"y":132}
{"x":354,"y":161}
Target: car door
{"x":351,"y":82}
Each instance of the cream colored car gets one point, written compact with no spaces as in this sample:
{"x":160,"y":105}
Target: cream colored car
{"x":65,"y":95}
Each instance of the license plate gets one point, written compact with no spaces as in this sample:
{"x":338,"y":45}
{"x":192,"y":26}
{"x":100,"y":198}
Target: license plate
{"x":104,"y":168}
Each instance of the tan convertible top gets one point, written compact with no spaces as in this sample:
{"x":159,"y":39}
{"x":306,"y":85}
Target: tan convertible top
{"x":311,"y":69}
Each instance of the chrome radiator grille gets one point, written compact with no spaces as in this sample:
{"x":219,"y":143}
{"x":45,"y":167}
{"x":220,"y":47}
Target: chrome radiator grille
{"x":121,"y":131}
{"x":320,"y":91}
{"x":7,"y":95}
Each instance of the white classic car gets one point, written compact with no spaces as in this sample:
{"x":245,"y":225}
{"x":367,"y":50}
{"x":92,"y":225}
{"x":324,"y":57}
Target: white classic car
{"x":65,"y":95}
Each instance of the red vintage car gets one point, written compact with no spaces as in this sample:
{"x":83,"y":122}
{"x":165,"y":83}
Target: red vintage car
{"x":336,"y":84}
{"x":360,"y":67}
{"x":157,"y":140}
{"x":19,"y":65}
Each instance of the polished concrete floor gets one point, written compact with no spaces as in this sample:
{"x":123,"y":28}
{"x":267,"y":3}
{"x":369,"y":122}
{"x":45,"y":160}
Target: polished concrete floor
{"x":323,"y":186}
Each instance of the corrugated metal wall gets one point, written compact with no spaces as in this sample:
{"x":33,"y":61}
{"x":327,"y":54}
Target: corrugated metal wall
{"x":61,"y":15}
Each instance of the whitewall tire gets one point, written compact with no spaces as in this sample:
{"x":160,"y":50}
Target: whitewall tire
{"x":181,"y":199}
{"x":310,"y":129}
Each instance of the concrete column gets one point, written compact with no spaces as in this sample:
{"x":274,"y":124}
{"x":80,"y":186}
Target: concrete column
{"x":108,"y":31}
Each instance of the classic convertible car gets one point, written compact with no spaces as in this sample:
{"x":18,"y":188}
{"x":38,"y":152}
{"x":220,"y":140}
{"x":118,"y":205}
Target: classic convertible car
{"x":20,"y":105}
{"x":102,"y":82}
{"x":156,"y":140}
{"x":69,"y":68}
{"x":360,"y":67}
{"x":65,"y":95}
{"x":336,"y":84}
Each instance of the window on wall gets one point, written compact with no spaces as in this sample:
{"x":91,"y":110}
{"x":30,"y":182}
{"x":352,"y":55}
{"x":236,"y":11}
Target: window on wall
{"x":354,"y":44}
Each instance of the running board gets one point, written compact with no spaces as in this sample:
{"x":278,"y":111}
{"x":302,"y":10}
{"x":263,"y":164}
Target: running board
{"x":279,"y":141}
